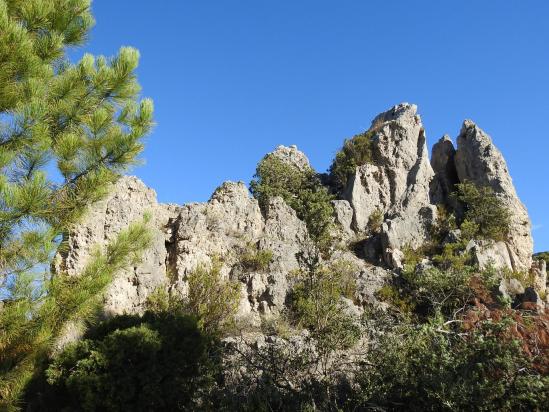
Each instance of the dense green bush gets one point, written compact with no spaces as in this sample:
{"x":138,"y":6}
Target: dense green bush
{"x":437,"y":366}
{"x":356,"y":151}
{"x":155,"y":362}
{"x":484,"y":208}
{"x":301,"y":190}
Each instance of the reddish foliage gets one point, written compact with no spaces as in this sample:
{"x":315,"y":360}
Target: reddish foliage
{"x":530,"y":324}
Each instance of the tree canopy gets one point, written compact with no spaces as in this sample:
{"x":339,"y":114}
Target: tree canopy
{"x":67,"y":130}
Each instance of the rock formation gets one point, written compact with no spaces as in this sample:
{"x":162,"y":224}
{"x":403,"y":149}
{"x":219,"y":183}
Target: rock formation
{"x":401,"y":182}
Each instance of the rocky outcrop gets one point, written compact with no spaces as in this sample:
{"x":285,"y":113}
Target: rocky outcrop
{"x":400,"y":182}
{"x":443,"y":163}
{"x":128,"y":201}
{"x":192,"y":235}
{"x":396,"y":183}
{"x":291,"y":155}
{"x":477,"y":160}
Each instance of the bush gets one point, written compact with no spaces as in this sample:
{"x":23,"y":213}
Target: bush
{"x":356,"y":151}
{"x":254,"y":260}
{"x":542,"y":256}
{"x":316,"y":304}
{"x":212,"y":300}
{"x":157,"y":362}
{"x":301,"y":190}
{"x":436,"y":367}
{"x":484,"y":208}
{"x":375,"y":221}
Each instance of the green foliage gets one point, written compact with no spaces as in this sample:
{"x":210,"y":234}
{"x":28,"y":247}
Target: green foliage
{"x":85,"y":119}
{"x":355,"y":152}
{"x":317,"y":305}
{"x":160,"y":361}
{"x":301,"y":190}
{"x":484,"y":209}
{"x":399,"y":301}
{"x":437,"y":366}
{"x":542,"y":256}
{"x":212,"y":299}
{"x":375,"y":221}
{"x":254,"y":260}
{"x":32,"y":320}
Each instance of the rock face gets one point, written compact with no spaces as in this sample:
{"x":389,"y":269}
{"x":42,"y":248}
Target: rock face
{"x":400,"y":182}
{"x":293,"y":156}
{"x":479,"y":161}
{"x":397,"y":183}
{"x":442,"y":160}
{"x":129,"y":200}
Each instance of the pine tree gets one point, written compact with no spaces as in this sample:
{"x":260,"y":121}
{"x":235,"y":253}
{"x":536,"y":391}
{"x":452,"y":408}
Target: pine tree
{"x":67,"y":131}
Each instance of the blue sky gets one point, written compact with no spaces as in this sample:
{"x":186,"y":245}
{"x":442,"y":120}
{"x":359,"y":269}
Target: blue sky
{"x":232,"y":80}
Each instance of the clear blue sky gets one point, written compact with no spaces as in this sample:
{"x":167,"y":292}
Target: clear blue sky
{"x":233,"y":79}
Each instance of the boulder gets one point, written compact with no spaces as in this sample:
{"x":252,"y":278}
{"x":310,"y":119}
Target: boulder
{"x":343,"y":214}
{"x":511,"y":288}
{"x":488,"y":253}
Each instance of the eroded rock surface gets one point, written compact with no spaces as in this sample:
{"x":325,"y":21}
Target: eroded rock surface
{"x":396,"y":183}
{"x":401,"y":183}
{"x":479,"y":161}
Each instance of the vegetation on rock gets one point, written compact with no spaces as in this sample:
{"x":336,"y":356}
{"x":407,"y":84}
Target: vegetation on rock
{"x":356,"y":151}
{"x":484,"y":209}
{"x":253,"y":259}
{"x":301,"y":190}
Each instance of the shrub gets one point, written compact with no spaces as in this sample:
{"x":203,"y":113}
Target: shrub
{"x":254,"y":260}
{"x":212,"y":300}
{"x":155,"y":362}
{"x":439,"y":366}
{"x":375,"y":221}
{"x":356,"y":151}
{"x":301,"y":190}
{"x":542,"y":256}
{"x":484,"y":209}
{"x":316,"y":304}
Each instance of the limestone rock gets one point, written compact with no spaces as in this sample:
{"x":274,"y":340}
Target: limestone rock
{"x":344,"y":217}
{"x":511,"y":288}
{"x":479,"y":161}
{"x":397,"y":183}
{"x":188,"y":236}
{"x":292,"y":155}
{"x":539,"y":274}
{"x":442,"y":161}
{"x":489,"y":253}
{"x":370,"y":280}
{"x":129,"y":200}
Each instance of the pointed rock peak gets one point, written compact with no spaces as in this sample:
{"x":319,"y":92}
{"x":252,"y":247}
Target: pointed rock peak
{"x":402,"y":113}
{"x":230,"y":191}
{"x":479,"y":161}
{"x":293,"y":156}
{"x":445,"y":140}
{"x":471,"y":132}
{"x":443,"y":152}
